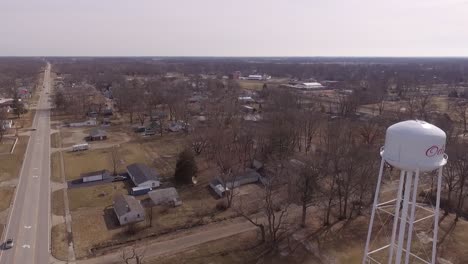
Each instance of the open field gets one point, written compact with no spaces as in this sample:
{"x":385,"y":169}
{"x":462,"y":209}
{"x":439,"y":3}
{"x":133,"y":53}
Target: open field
{"x":6,"y":144}
{"x":251,"y":85}
{"x":11,"y":163}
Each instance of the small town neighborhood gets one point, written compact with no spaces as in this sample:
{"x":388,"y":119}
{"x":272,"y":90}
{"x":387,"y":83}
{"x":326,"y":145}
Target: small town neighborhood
{"x":238,"y":166}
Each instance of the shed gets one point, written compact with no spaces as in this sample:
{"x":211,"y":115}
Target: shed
{"x":167,"y":196}
{"x":143,"y":175}
{"x":97,"y":134}
{"x":128,"y":209}
{"x":95,"y":175}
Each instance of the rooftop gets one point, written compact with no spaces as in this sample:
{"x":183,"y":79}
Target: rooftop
{"x":124,"y":204}
{"x":142,"y":173}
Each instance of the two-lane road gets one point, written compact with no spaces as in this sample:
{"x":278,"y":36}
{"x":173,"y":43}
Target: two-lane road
{"x":29,"y":220}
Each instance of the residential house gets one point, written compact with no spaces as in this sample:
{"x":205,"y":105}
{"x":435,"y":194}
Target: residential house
{"x":128,"y":209}
{"x":90,"y":122}
{"x":167,"y":196}
{"x":97,"y":134}
{"x":23,"y":93}
{"x":6,"y":124}
{"x":243,"y":178}
{"x":143,"y":176}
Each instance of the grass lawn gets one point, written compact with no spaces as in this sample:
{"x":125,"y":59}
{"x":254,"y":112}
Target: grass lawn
{"x":57,"y":204}
{"x":6,"y":144}
{"x":95,"y":196}
{"x":11,"y":163}
{"x":55,"y":171}
{"x":6,"y":193}
{"x":241,"y":248}
{"x":59,"y":245}
{"x":55,"y":140}
{"x":77,"y":163}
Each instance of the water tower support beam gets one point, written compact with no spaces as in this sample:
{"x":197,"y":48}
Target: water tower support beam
{"x":411,"y":221}
{"x":436,"y":216}
{"x":374,"y":208}
{"x":396,"y":216}
{"x":404,"y":215}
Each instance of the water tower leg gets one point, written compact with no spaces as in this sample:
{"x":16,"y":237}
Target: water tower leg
{"x":436,"y":216}
{"x":411,"y":221}
{"x":404,"y":215}
{"x":396,"y":216}
{"x":374,"y":208}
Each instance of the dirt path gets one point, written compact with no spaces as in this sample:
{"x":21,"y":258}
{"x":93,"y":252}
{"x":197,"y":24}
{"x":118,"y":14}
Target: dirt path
{"x":180,"y":243}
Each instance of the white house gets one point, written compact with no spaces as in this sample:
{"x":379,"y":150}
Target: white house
{"x":6,"y":124}
{"x":143,"y":176}
{"x":128,"y":209}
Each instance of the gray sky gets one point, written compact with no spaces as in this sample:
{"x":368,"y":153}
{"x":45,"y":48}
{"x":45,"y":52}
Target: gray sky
{"x":234,"y":27}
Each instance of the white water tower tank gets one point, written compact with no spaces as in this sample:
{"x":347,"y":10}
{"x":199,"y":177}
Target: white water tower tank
{"x":415,"y":144}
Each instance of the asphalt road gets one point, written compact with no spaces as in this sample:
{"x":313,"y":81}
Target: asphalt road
{"x":29,"y":221}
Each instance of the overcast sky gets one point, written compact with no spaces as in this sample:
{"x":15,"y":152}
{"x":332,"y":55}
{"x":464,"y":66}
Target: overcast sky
{"x":234,"y":28}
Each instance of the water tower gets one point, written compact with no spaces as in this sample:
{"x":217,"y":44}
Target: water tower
{"x":413,"y":147}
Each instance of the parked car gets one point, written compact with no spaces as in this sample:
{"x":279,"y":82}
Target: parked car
{"x":119,"y":178}
{"x":9,"y":243}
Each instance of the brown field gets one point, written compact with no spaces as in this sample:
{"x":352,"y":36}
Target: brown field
{"x":55,"y":170}
{"x":55,"y":140}
{"x":11,"y":163}
{"x":6,"y":144}
{"x":6,"y":194}
{"x":241,"y":248}
{"x":57,"y":203}
{"x":95,"y":196}
{"x":59,"y":242}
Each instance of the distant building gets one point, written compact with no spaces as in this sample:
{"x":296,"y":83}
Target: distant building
{"x":90,"y":122}
{"x":255,"y":77}
{"x":246,"y":99}
{"x":309,"y":85}
{"x":6,"y":103}
{"x":128,"y":209}
{"x":6,"y":124}
{"x":23,"y":92}
{"x":167,"y":196}
{"x":142,"y":175}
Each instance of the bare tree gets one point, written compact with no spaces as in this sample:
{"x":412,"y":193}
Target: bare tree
{"x":132,"y":255}
{"x":272,"y":218}
{"x":3,"y":119}
{"x":461,"y":112}
{"x":307,"y":181}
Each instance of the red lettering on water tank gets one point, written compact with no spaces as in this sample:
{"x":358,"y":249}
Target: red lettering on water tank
{"x":435,"y":150}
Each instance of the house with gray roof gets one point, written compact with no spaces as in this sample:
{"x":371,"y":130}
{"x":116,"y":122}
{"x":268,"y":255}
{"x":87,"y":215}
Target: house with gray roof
{"x":97,"y":134}
{"x":248,"y":176}
{"x":143,"y":176}
{"x":128,"y":209}
{"x":166,"y":196}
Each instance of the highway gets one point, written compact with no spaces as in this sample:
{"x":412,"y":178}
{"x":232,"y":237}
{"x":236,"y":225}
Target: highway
{"x":29,"y":221}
